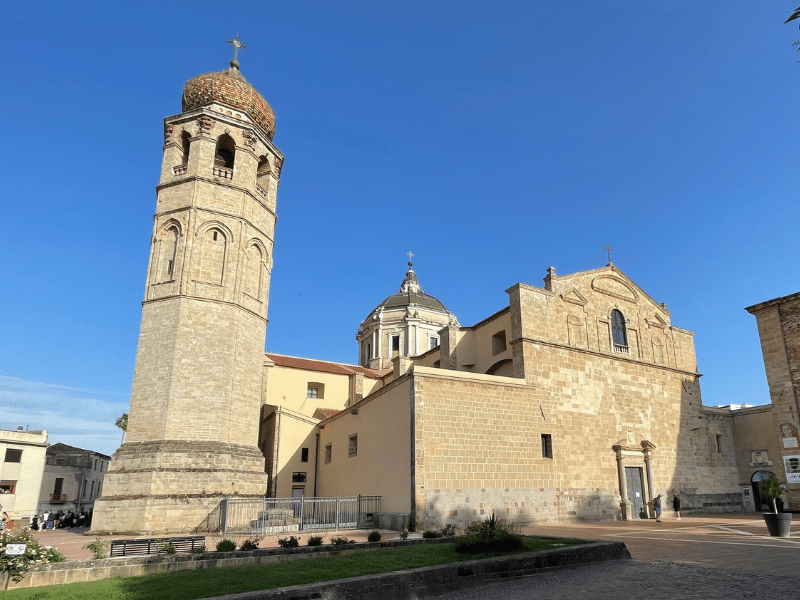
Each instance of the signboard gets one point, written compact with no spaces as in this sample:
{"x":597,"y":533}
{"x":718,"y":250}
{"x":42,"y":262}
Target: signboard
{"x":15,"y":549}
{"x":792,"y":465}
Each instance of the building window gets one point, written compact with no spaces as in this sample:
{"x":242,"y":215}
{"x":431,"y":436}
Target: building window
{"x":315,"y":390}
{"x":352,"y":445}
{"x":91,"y":494}
{"x":395,"y":343}
{"x":13,"y":455}
{"x":95,"y":465}
{"x":433,"y":342}
{"x":299,"y":477}
{"x":547,"y":445}
{"x":304,"y":455}
{"x":8,"y":487}
{"x":498,"y":342}
{"x":328,"y":453}
{"x":60,"y":462}
{"x":619,"y":334}
{"x":719,"y":444}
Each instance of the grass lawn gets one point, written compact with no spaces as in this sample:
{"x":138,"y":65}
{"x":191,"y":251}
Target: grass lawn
{"x":201,"y":583}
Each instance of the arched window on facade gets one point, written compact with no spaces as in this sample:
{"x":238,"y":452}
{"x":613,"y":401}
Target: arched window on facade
{"x":619,"y":333}
{"x":168,"y":253}
{"x":212,"y":257}
{"x":224,"y":156}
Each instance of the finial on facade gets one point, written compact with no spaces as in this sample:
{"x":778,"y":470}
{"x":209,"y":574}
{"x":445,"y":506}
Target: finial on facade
{"x":551,"y":270}
{"x":410,"y":259}
{"x":608,"y":250}
{"x":236,"y":46}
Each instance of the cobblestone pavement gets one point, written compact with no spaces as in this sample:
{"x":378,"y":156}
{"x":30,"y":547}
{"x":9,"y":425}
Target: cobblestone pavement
{"x":633,"y":579}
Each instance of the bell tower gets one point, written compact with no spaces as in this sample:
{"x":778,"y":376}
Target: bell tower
{"x":192,"y":435}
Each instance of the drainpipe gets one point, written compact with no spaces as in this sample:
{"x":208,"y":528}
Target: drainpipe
{"x":316,"y":465}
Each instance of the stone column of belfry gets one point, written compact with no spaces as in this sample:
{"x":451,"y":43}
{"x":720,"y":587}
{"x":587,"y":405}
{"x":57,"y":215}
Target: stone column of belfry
{"x":193,"y":420}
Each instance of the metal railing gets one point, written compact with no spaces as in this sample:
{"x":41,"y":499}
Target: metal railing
{"x":263,"y":516}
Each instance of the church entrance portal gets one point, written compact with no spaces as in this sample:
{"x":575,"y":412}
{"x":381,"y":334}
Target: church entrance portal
{"x":634,"y":480}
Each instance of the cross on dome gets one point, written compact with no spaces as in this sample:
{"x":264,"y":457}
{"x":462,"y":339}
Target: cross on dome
{"x":236,"y":46}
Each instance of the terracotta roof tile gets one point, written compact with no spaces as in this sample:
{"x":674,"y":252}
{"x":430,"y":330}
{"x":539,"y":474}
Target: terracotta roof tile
{"x":309,"y":364}
{"x":324,"y":413}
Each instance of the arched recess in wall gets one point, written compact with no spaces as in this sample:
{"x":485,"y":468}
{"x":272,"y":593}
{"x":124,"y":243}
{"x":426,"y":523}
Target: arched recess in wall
{"x":167,"y":252}
{"x":659,"y":350}
{"x":504,"y":368}
{"x":256,"y":267}
{"x":576,"y":333}
{"x":213,"y":238}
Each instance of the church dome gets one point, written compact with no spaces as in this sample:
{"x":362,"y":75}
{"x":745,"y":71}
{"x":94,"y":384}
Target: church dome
{"x":411,"y":295}
{"x":230,"y":88}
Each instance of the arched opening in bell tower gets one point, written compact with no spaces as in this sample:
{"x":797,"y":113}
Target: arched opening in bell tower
{"x":224,"y":156}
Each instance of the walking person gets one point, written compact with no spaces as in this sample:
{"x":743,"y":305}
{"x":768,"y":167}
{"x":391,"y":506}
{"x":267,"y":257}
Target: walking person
{"x":676,"y":505}
{"x":657,"y":507}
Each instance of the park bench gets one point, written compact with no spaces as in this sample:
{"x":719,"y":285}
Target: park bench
{"x":151,"y":546}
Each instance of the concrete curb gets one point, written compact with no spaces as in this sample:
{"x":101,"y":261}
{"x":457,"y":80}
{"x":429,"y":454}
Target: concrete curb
{"x":432,"y":581}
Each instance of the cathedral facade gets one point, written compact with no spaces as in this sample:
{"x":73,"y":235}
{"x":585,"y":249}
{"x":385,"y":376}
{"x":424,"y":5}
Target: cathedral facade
{"x":577,"y":400}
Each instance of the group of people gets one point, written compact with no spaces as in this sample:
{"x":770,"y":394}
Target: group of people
{"x":60,"y":520}
{"x":676,"y":506}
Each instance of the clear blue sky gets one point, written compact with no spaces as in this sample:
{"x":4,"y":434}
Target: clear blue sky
{"x":491,"y":139}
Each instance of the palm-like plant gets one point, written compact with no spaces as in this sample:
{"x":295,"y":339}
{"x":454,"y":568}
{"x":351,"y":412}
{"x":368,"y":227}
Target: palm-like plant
{"x":792,"y":17}
{"x":122,"y":423}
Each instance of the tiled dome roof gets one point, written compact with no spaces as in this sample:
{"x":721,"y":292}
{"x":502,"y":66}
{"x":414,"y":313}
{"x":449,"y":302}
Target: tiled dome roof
{"x":229,"y":87}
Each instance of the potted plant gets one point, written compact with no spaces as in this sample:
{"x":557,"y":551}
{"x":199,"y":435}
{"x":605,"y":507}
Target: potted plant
{"x":778,"y":524}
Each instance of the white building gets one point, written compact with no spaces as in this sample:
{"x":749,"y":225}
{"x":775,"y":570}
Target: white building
{"x":21,"y":471}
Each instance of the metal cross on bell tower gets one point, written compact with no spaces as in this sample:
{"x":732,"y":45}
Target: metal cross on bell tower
{"x":237,"y":45}
{"x":608,"y":250}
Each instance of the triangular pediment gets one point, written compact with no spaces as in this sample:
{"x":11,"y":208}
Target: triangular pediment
{"x":575,"y":297}
{"x":656,"y":321}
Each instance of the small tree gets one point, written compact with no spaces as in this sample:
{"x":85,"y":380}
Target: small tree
{"x":122,"y":423}
{"x":771,"y":488}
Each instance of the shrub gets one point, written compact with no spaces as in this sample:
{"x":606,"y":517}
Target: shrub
{"x":341,"y":541}
{"x":226,"y":546}
{"x":98,"y":548}
{"x":250,"y":544}
{"x":374,"y":536}
{"x":404,"y":534}
{"x":315,"y":540}
{"x":491,"y":535}
{"x":35,"y":553}
{"x":199,"y":549}
{"x":290,"y":542}
{"x":449,"y":530}
{"x":429,"y":534}
{"x":165,"y":547}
